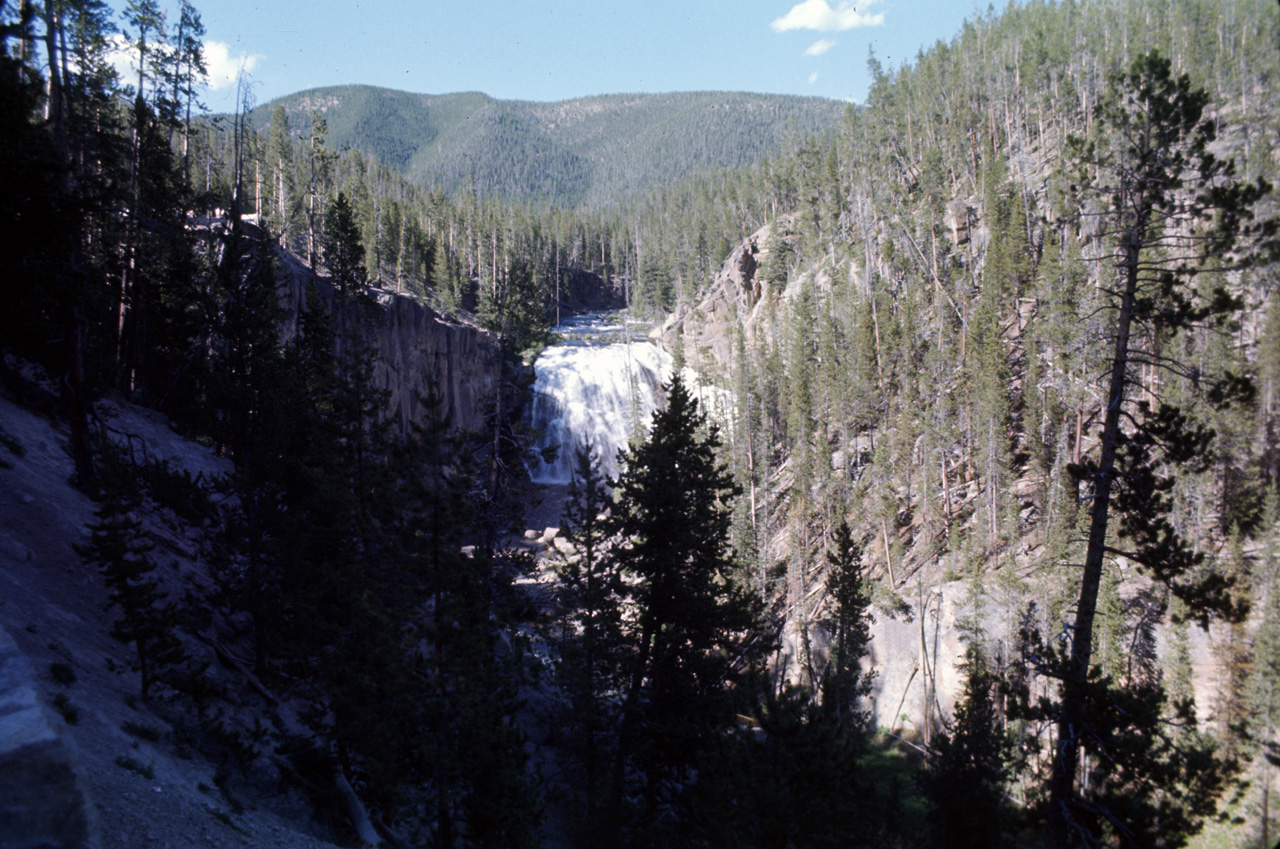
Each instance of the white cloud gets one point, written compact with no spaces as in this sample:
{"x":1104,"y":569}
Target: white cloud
{"x":813,"y":78}
{"x":820,"y":47}
{"x":818,"y":15}
{"x":121,"y":58}
{"x":223,"y":66}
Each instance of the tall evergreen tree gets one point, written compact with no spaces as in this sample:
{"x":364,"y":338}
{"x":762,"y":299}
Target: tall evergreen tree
{"x":790,"y":778}
{"x":1234,"y":653}
{"x":121,"y":550}
{"x":590,"y":637}
{"x":1263,"y":691}
{"x":967,"y":767}
{"x":694,"y":632}
{"x":146,"y":38}
{"x":343,"y":247}
{"x":185,"y":71}
{"x":319,"y":173}
{"x":799,"y":780}
{"x":280,"y":168}
{"x":1172,"y":203}
{"x":844,"y":683}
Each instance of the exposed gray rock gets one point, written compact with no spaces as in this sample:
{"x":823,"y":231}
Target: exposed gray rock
{"x":706,"y":330}
{"x":419,"y":352}
{"x":148,"y":436}
{"x":917,"y":659}
{"x":41,"y":802}
{"x":54,"y":609}
{"x":958,"y":218}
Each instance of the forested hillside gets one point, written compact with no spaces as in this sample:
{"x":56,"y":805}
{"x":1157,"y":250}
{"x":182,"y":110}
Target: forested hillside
{"x":990,"y":313}
{"x":1013,"y":322}
{"x":592,"y":152}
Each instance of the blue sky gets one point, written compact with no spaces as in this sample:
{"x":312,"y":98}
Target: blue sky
{"x":522,"y":50}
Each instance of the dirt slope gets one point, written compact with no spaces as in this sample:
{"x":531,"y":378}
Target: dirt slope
{"x":143,"y":792}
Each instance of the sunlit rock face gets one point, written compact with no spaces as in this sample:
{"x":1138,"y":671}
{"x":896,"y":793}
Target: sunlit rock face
{"x":595,"y":389}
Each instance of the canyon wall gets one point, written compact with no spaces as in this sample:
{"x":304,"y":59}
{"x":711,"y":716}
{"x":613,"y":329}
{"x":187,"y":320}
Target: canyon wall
{"x":419,"y":351}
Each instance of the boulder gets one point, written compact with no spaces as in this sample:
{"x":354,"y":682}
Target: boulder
{"x":41,"y":800}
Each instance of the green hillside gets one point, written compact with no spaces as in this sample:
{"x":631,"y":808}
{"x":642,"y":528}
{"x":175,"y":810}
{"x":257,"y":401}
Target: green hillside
{"x":590,"y":152}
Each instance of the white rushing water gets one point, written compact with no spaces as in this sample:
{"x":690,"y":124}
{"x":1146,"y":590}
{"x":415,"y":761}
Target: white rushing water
{"x":593,"y":389}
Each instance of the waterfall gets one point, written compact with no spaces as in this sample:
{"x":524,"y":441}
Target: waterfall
{"x":596,"y":388}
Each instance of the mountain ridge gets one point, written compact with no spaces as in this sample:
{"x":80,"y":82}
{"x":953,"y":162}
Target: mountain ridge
{"x":590,"y":152}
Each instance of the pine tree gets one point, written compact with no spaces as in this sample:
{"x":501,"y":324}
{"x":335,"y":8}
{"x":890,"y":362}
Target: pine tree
{"x":1156,"y":171}
{"x":186,"y":71}
{"x":693,"y":632}
{"x":1263,"y":690}
{"x":791,"y":778}
{"x":249,"y":390}
{"x":1235,"y":657}
{"x":590,"y":637}
{"x":800,"y":371}
{"x":444,"y":279}
{"x":147,"y":23}
{"x":967,"y":767}
{"x":844,"y":683}
{"x":319,"y":173}
{"x":121,"y":550}
{"x":280,"y":167}
{"x":799,"y":781}
{"x":1178,"y":672}
{"x":778,"y":257}
{"x":514,"y":311}
{"x":343,"y":248}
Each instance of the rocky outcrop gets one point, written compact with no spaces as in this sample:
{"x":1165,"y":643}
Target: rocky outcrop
{"x":958,"y":219}
{"x":419,"y":351}
{"x":738,"y":298}
{"x":41,"y":801}
{"x":706,"y":329}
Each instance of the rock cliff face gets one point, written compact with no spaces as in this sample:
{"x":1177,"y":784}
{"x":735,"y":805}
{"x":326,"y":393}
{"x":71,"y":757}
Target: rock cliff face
{"x":74,"y":771}
{"x":739,"y":295}
{"x":419,"y":351}
{"x":735,"y":292}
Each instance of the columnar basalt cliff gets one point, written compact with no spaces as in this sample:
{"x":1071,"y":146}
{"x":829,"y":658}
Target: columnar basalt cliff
{"x":420,"y":353}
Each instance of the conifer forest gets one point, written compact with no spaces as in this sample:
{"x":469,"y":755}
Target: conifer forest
{"x":1003,"y":340}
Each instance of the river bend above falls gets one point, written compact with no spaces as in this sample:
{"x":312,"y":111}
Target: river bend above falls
{"x":593,"y":389}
